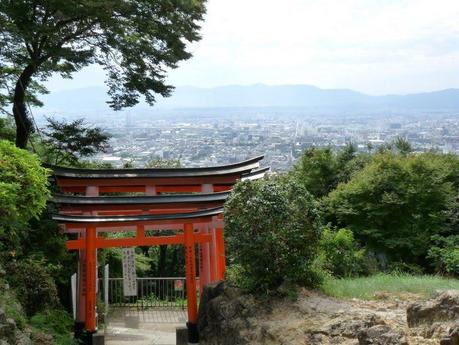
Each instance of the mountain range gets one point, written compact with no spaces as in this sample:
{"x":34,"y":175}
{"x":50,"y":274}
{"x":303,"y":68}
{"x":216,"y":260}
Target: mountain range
{"x":259,"y":95}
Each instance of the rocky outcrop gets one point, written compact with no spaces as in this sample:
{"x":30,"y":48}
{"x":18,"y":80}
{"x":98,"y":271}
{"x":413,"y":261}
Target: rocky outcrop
{"x":223,"y":312}
{"x":452,"y":338}
{"x":228,"y":316}
{"x":445,"y":307}
{"x":10,"y":334}
{"x":381,"y":335}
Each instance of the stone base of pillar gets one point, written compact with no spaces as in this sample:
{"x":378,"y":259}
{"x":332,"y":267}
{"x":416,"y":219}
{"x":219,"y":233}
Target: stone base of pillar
{"x":98,"y":338}
{"x":193,"y":333}
{"x":86,"y":338}
{"x":181,"y":336}
{"x":78,"y":330}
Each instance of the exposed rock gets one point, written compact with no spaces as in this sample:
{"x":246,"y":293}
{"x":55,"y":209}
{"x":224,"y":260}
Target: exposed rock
{"x":22,"y":339}
{"x":381,"y":335}
{"x":7,"y":330}
{"x":452,"y":338}
{"x":10,"y":334}
{"x":228,"y":316}
{"x":223,"y":312}
{"x":445,"y":307}
{"x":2,"y":316}
{"x":350,"y":328}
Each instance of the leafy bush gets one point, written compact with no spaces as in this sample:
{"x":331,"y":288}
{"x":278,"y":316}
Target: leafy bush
{"x":56,"y":322}
{"x":395,"y":204}
{"x":445,"y":254}
{"x":341,"y":254}
{"x":23,"y":186}
{"x":34,"y":285}
{"x":272,"y":231}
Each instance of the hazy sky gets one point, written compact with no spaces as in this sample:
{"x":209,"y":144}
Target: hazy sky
{"x":374,"y":46}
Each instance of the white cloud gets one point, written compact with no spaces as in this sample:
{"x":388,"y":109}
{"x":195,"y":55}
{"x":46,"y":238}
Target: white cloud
{"x":377,"y":46}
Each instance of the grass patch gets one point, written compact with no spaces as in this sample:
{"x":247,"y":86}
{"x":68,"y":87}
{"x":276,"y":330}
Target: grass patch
{"x":365,"y":287}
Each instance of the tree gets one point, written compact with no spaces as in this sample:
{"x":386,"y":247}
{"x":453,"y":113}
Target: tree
{"x":402,"y":145}
{"x":321,"y":169}
{"x":66,"y":143}
{"x":134,"y":41}
{"x":272,"y":233}
{"x":395,"y":204}
{"x":163,"y":163}
{"x":317,"y":170}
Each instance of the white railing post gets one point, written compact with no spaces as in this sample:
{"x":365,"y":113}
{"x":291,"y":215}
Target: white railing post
{"x":106,"y":287}
{"x":73,"y":284}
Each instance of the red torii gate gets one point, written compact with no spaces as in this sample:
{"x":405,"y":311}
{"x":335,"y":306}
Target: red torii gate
{"x":91,"y":215}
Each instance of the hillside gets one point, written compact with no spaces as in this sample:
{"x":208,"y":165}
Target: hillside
{"x":259,"y":95}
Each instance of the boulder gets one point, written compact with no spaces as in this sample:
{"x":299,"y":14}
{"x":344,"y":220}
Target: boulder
{"x":224,"y":314}
{"x":381,"y":335}
{"x":445,"y":307}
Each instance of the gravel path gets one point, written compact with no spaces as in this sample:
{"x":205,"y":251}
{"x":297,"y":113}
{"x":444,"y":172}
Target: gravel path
{"x":143,"y":327}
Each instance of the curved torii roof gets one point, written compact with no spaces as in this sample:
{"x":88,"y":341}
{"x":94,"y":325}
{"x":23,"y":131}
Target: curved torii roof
{"x":140,"y":200}
{"x":230,"y":169}
{"x":101,"y":221}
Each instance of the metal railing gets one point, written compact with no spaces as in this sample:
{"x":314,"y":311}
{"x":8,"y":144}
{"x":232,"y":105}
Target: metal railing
{"x":151,"y":293}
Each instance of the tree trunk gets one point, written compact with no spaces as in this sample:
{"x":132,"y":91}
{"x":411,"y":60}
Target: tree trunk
{"x":23,"y":123}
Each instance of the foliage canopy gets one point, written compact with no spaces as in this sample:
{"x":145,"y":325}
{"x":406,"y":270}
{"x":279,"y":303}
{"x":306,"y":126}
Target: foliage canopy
{"x":395,"y":204}
{"x":136,"y":42}
{"x":66,"y":143}
{"x":23,"y":186}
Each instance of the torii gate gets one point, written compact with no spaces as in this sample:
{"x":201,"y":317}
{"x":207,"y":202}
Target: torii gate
{"x":197,"y":219}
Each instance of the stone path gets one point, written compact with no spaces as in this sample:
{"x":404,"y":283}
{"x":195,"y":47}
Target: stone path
{"x":143,"y":327}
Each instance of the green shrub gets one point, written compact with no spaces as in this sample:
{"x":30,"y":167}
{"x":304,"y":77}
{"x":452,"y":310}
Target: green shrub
{"x":272,"y":231}
{"x":341,"y":254}
{"x":34,"y":285}
{"x":445,"y":254}
{"x":401,"y":267}
{"x":23,"y":187}
{"x":395,"y":204}
{"x":56,"y":322}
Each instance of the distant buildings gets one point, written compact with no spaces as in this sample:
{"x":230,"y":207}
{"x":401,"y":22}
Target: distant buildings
{"x":225,"y":137}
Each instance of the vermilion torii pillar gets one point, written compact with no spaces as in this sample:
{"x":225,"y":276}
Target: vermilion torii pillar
{"x":190,"y":271}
